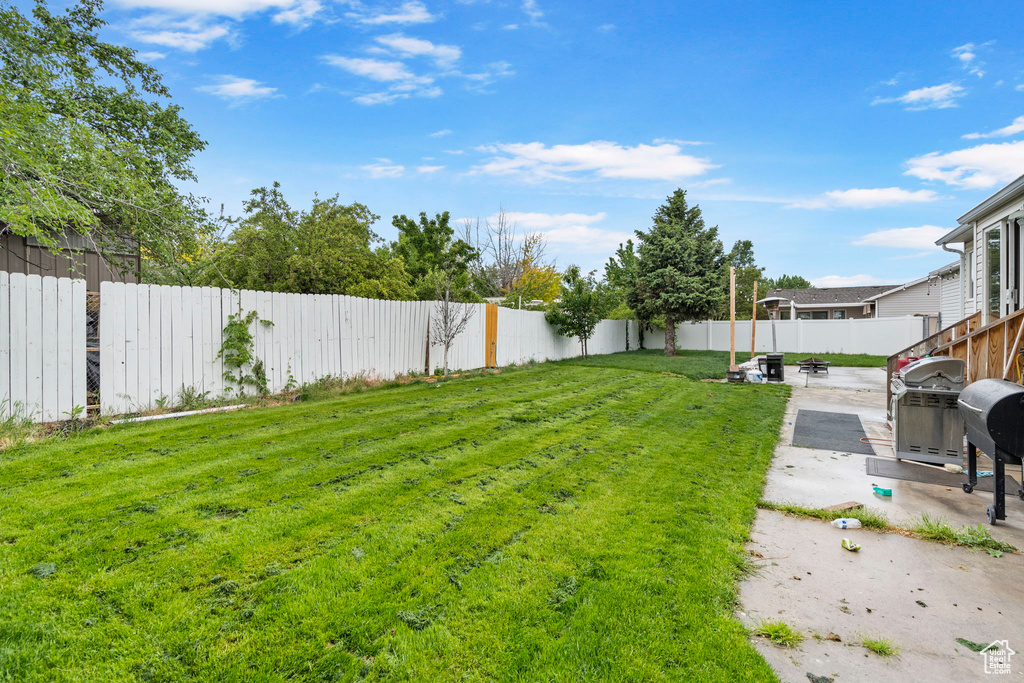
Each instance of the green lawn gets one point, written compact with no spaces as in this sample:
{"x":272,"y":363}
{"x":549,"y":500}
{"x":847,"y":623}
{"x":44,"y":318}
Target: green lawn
{"x":708,"y":364}
{"x":560,"y":523}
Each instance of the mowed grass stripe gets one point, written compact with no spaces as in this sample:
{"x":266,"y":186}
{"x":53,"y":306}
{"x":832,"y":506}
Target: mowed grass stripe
{"x":568,"y":495}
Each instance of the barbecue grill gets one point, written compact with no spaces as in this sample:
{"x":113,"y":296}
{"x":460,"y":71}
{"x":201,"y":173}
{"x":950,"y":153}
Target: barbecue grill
{"x":993,"y":410}
{"x":926,"y":425}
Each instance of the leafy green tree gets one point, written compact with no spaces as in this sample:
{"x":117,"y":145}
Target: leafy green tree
{"x":583,"y":303}
{"x":430,"y":245}
{"x":534,"y":279}
{"x":86,"y":144}
{"x":623,"y":273}
{"x":747,"y":273}
{"x":681,"y":263}
{"x":329,"y":249}
{"x":790,"y":282}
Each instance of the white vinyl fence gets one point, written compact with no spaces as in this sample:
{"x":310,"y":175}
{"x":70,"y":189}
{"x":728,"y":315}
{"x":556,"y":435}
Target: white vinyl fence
{"x":876,"y":336}
{"x":42,"y":347}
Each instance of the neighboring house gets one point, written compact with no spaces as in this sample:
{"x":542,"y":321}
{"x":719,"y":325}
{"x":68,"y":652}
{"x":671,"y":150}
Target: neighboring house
{"x":76,"y":258}
{"x":936,"y":295}
{"x":990,"y":241}
{"x":825,"y":303}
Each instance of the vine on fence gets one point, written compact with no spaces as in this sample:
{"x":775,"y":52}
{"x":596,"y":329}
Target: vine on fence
{"x":241,"y":365}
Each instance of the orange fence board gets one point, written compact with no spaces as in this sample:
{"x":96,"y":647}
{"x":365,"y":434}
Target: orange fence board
{"x":491,"y":336}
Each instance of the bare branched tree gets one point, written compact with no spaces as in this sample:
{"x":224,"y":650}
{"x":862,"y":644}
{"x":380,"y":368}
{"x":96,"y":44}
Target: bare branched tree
{"x":504,"y":253}
{"x":450,"y":317}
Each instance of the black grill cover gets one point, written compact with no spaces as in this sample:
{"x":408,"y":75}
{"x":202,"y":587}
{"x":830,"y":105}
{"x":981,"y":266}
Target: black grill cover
{"x":993,"y":409}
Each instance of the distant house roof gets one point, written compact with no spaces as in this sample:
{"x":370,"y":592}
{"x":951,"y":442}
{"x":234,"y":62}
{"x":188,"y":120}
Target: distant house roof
{"x":823,"y":296}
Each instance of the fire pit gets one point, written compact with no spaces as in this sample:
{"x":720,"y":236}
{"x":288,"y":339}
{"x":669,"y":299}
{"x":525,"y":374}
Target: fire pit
{"x":813,"y":365}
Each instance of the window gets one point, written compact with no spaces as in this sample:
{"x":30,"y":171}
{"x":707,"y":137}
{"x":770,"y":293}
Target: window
{"x":969,"y":275}
{"x":812,"y":315}
{"x":993,"y":273}
{"x":839,"y":314}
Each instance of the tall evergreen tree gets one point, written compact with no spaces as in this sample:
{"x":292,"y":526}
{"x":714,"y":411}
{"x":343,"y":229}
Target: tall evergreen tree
{"x":681,"y":263}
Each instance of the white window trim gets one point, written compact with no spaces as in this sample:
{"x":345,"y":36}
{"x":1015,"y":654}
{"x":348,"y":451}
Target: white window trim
{"x":986,"y":294}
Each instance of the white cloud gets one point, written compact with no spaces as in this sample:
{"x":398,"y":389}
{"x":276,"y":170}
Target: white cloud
{"x":967,"y":54}
{"x":491,"y":72}
{"x":238,"y":90}
{"x":1019,"y":87}
{"x":847,"y":281}
{"x":533,"y":11}
{"x":1016,"y":127}
{"x":409,"y":13}
{"x":189,"y":35}
{"x":941,"y":96}
{"x":676,"y":141}
{"x":374,"y":69}
{"x":403,"y":82}
{"x":151,"y":56}
{"x":601,"y":159}
{"x":429,"y":169}
{"x":384,"y":169}
{"x":920,"y":239}
{"x":571,"y":230}
{"x":301,"y":14}
{"x":441,"y":133}
{"x":232,"y":8}
{"x":605,"y":28}
{"x":444,"y":56}
{"x":978,"y":167}
{"x":711,"y":182}
{"x":866,"y":198}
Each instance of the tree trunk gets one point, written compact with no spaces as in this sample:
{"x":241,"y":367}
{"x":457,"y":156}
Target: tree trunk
{"x":446,"y":360}
{"x":670,"y":335}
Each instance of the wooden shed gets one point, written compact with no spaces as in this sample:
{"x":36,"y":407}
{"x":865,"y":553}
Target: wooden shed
{"x":76,"y":259}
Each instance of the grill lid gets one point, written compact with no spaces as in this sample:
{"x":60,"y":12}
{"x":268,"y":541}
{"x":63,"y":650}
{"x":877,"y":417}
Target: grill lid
{"x":994,"y":410}
{"x":940,"y":372}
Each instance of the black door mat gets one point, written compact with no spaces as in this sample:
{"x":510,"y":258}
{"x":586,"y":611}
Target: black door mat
{"x":908,"y":471}
{"x":830,"y":432}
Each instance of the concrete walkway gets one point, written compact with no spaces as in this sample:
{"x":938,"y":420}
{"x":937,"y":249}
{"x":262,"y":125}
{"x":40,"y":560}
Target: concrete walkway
{"x":919,"y":594}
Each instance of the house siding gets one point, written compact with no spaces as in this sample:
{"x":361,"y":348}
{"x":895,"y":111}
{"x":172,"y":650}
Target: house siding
{"x":949,"y":299}
{"x":920,"y":299}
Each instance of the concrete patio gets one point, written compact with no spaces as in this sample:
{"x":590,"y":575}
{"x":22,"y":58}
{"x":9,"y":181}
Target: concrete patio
{"x":919,"y":594}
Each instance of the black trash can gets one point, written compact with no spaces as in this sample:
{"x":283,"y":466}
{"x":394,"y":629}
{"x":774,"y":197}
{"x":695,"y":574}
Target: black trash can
{"x":773,"y":367}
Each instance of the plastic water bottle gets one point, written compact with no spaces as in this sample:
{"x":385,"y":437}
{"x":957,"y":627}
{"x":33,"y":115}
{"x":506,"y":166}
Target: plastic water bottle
{"x":846,"y":523}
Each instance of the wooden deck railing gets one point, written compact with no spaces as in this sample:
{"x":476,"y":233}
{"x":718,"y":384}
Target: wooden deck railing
{"x":990,"y":351}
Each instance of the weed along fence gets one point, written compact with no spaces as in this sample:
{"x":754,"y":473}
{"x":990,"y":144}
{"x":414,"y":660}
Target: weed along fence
{"x":876,"y":336}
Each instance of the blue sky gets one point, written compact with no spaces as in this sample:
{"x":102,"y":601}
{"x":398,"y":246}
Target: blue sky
{"x":842,"y":139}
